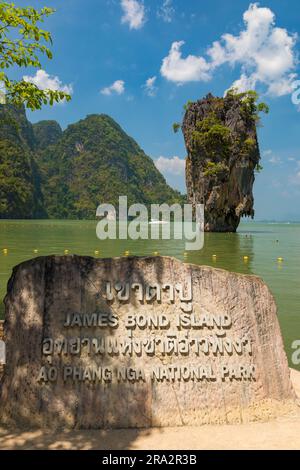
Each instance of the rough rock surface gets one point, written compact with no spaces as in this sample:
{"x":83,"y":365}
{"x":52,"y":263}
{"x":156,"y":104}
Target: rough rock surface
{"x":42,"y":291}
{"x":1,"y":339}
{"x":220,"y":166}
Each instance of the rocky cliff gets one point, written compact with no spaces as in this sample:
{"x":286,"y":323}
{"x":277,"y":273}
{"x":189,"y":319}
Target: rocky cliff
{"x":93,"y":162}
{"x":49,"y":173}
{"x":222,"y":155}
{"x":20,"y":186}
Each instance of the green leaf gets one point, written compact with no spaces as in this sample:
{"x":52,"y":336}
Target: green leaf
{"x":21,"y":44}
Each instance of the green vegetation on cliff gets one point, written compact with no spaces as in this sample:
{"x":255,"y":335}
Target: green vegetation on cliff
{"x":46,"y":133}
{"x":45,"y":172}
{"x":222,"y":156}
{"x":20,"y":190}
{"x":213,"y":136}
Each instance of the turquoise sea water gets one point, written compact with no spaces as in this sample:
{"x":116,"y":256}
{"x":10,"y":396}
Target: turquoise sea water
{"x":262,"y":243}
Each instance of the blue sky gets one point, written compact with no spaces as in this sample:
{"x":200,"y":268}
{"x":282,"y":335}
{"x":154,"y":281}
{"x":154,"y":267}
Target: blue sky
{"x":141,"y":61}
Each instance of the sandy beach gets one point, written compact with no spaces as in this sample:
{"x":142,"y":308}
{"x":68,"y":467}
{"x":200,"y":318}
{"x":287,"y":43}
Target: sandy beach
{"x":282,"y":433}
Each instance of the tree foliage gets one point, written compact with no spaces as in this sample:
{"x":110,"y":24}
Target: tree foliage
{"x":213,"y":137}
{"x":20,"y":191}
{"x":249,"y":99}
{"x":45,"y":172}
{"x":95,"y":161}
{"x":22,"y":44}
{"x":213,"y":169}
{"x":176,"y":127}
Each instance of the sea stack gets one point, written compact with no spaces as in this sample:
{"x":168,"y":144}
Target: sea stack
{"x":222,"y":155}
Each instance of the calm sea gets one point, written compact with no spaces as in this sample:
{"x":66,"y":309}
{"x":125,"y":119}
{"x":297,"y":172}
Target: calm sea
{"x":262,"y":243}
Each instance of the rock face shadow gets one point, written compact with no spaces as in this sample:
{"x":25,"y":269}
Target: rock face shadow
{"x":44,"y":293}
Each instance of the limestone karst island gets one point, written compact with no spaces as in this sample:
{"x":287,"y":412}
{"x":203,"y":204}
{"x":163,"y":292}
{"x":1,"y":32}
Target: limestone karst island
{"x":149,"y":229}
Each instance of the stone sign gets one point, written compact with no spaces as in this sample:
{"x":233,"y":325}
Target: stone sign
{"x":139,"y":342}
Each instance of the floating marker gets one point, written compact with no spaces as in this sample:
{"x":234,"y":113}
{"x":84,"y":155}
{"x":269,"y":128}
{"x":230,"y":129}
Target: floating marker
{"x":35,"y":251}
{"x":66,"y":252}
{"x":185,"y":254}
{"x":214,"y":256}
{"x":246,"y":258}
{"x":127,"y":253}
{"x":279,"y":259}
{"x":156,"y":253}
{"x":5,"y":251}
{"x":96,"y":252}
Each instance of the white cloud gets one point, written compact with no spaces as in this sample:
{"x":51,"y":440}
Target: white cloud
{"x":150,"y":87}
{"x":172,"y":166}
{"x":188,"y":69}
{"x":134,"y":13}
{"x":44,"y":81}
{"x":276,"y":184}
{"x":282,"y":86}
{"x":272,"y":158}
{"x":166,"y":11}
{"x":264,"y":52}
{"x":117,"y":87}
{"x":295,"y":178}
{"x":244,"y":83}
